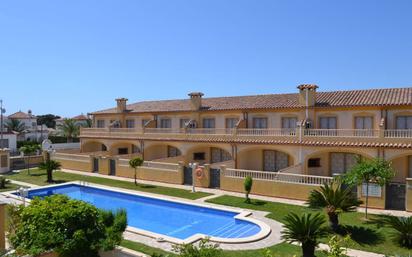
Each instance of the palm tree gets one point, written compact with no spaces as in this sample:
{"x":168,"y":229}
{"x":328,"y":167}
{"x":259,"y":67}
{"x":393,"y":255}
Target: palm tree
{"x":15,"y":125}
{"x":28,"y":150}
{"x":335,"y":200}
{"x":305,"y":229}
{"x":402,"y":227}
{"x":134,"y":163}
{"x":69,"y":129}
{"x":50,"y":166}
{"x":88,"y":123}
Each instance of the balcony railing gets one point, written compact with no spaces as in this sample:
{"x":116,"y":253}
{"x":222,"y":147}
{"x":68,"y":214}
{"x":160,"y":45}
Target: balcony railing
{"x":264,"y":133}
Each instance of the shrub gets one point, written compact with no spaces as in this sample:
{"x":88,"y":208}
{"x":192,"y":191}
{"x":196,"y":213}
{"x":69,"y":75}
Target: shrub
{"x":3,"y":182}
{"x":204,"y":249}
{"x":248,"y":187}
{"x":402,"y":227}
{"x":68,"y":227}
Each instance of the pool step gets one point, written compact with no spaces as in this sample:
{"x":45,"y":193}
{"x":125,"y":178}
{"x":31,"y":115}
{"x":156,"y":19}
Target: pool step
{"x":233,"y":230}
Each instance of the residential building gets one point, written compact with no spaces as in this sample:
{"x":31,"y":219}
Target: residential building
{"x":32,"y":131}
{"x":308,"y":132}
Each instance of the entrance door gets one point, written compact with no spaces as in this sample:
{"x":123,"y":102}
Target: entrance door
{"x":215,"y":178}
{"x":188,"y":176}
{"x":112,"y":171}
{"x":395,"y":196}
{"x":95,"y":165}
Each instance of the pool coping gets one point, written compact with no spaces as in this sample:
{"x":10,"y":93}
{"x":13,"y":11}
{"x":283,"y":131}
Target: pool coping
{"x":265,"y":229}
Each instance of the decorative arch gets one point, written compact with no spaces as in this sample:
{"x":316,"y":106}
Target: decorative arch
{"x":124,"y":147}
{"x":93,"y":146}
{"x":265,"y":158}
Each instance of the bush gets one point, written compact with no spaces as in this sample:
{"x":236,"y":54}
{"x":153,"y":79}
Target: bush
{"x":26,"y":143}
{"x":402,"y":227}
{"x":68,"y":227}
{"x":205,"y":249}
{"x":3,"y":182}
{"x":248,"y":187}
{"x":62,"y":140}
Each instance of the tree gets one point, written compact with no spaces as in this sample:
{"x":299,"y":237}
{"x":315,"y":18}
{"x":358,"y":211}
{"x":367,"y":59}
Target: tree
{"x":70,"y":129}
{"x":376,"y":170}
{"x":15,"y":125}
{"x":28,"y":150}
{"x":134,"y":163}
{"x":49,"y":120}
{"x":305,"y":229}
{"x":248,"y":183}
{"x":49,"y":166}
{"x":335,"y":200}
{"x":88,"y":123}
{"x":65,"y":226}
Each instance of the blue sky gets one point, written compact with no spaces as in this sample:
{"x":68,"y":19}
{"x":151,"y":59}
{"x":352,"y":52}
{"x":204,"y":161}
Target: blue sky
{"x":68,"y":57}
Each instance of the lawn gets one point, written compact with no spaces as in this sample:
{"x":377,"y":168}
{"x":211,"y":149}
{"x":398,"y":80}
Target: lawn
{"x":9,"y":187}
{"x":365,"y":235}
{"x":38,"y":177}
{"x":280,"y":250}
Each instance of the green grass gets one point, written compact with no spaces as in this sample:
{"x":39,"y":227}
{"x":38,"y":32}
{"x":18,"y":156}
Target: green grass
{"x":365,"y":235}
{"x":279,"y":250}
{"x":38,"y":177}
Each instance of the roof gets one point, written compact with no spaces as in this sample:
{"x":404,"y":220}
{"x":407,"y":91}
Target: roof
{"x":80,"y":117}
{"x":352,"y":98}
{"x":20,"y":115}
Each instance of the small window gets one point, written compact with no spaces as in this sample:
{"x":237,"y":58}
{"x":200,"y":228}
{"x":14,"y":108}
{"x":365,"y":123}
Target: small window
{"x":129,"y":123}
{"x":199,"y":156}
{"x":165,"y":123}
{"x":260,"y":123}
{"x":123,"y":150}
{"x":100,"y":123}
{"x":209,"y":123}
{"x":314,"y":162}
{"x":231,"y":122}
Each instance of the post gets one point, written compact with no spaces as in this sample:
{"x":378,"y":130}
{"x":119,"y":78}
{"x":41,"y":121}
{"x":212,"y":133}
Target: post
{"x":3,"y":226}
{"x":193,"y":166}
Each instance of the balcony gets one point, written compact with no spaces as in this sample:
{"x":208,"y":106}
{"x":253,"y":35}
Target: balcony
{"x":297,"y":136}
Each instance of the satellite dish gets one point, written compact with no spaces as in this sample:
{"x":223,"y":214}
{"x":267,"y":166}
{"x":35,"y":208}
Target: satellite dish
{"x":47,"y":145}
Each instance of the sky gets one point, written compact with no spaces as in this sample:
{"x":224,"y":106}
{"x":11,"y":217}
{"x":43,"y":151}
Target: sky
{"x":77,"y":56}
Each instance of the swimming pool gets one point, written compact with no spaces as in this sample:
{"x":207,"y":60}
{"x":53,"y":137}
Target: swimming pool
{"x":170,"y":220}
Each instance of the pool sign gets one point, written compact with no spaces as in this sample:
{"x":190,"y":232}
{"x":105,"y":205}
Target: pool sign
{"x":47,"y":145}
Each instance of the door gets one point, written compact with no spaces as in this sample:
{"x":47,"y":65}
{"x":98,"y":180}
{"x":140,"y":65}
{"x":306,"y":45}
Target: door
{"x":112,"y":170}
{"x":95,"y":165}
{"x":215,"y":178}
{"x":274,"y":160}
{"x":395,"y":196}
{"x":187,"y":176}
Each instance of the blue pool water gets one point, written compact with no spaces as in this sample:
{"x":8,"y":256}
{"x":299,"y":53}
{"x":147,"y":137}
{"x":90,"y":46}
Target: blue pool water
{"x":159,"y":216}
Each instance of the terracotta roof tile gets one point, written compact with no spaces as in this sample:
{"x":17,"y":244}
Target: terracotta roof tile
{"x":20,"y":115}
{"x":370,"y":97}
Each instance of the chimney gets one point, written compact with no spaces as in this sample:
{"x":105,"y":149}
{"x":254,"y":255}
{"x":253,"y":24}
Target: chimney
{"x":196,"y":100}
{"x":121,"y":104}
{"x":307,"y":94}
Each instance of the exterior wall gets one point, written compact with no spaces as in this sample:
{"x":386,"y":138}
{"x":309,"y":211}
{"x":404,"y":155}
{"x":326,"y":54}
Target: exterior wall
{"x":12,"y":139}
{"x":20,"y":162}
{"x":269,"y":188}
{"x":76,"y":165}
{"x":373,"y":202}
{"x":408,"y":199}
{"x":400,"y":165}
{"x":346,"y":119}
{"x":4,"y":161}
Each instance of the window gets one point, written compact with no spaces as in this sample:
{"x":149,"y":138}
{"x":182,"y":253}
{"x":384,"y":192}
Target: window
{"x":135,"y":149}
{"x":342,"y":162}
{"x":231,"y":122}
{"x":129,"y":123}
{"x":219,"y":155}
{"x":260,"y":123}
{"x":100,"y":124}
{"x":314,"y":162}
{"x":327,"y":123}
{"x":364,"y":122}
{"x":184,"y":123}
{"x":4,"y":143}
{"x":173,"y":151}
{"x":199,"y":156}
{"x":274,"y":160}
{"x":410,"y":166}
{"x":404,"y":122}
{"x":165,"y":123}
{"x":209,"y":123}
{"x":144,"y":122}
{"x":123,"y":150}
{"x":289,"y":122}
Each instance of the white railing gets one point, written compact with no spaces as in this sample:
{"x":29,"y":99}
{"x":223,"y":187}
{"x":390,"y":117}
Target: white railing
{"x":294,"y":169}
{"x":370,"y":133}
{"x":266,"y":132}
{"x":228,"y":164}
{"x":125,"y":130}
{"x":276,"y":176}
{"x":210,"y":131}
{"x":161,"y":165}
{"x":163,"y":131}
{"x":398,"y":133}
{"x":70,"y":157}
